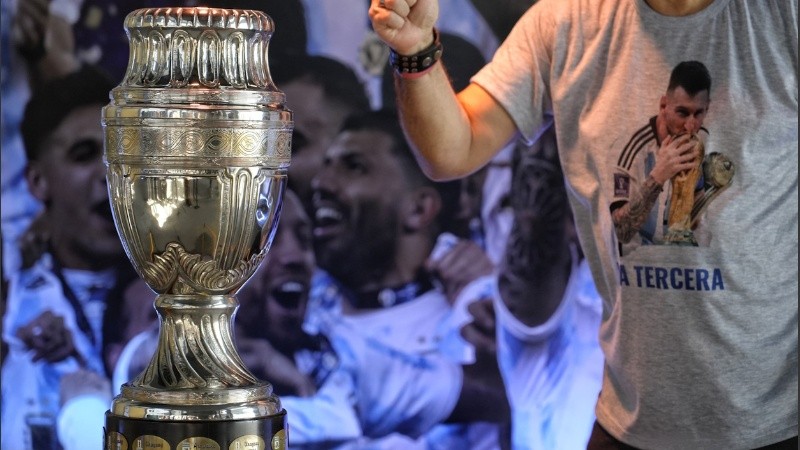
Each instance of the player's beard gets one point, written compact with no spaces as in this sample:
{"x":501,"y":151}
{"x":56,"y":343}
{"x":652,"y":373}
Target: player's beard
{"x":362,"y":254}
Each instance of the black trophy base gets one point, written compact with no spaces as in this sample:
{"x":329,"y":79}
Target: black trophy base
{"x":263,"y":433}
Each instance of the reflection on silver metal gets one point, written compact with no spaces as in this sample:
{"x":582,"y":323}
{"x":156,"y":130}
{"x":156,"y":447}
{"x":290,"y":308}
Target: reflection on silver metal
{"x":197,"y":147}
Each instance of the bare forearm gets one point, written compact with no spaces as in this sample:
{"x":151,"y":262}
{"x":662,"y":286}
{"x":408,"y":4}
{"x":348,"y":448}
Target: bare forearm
{"x":453,"y":135}
{"x":435,"y":123}
{"x":630,"y":217}
{"x":537,"y":263}
{"x":533,"y":282}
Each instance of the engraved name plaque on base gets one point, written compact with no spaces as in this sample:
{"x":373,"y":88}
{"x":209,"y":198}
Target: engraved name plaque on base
{"x":197,"y":144}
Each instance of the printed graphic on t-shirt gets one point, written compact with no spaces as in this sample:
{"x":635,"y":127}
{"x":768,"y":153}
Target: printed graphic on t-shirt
{"x":665,"y":176}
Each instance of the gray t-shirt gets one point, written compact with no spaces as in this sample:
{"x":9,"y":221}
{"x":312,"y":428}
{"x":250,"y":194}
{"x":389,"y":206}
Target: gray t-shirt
{"x":700,"y":341}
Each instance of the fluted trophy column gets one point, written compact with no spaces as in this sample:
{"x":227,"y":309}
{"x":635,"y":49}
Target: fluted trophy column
{"x":197,"y":142}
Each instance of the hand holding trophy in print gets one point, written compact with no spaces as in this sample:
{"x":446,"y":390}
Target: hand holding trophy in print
{"x":197,"y":147}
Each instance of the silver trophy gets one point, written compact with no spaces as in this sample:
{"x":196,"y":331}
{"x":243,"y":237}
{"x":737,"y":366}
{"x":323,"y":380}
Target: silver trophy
{"x":197,"y":142}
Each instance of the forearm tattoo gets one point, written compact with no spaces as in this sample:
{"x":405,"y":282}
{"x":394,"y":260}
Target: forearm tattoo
{"x":630,"y":217}
{"x":537,"y":245}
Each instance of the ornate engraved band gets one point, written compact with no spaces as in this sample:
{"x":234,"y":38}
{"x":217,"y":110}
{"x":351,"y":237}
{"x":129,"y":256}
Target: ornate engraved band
{"x":269,"y":147}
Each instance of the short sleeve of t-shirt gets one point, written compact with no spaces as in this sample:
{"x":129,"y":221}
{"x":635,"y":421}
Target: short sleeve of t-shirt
{"x":518,"y":75}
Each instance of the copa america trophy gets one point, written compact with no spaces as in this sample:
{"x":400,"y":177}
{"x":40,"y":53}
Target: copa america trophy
{"x":197,"y":142}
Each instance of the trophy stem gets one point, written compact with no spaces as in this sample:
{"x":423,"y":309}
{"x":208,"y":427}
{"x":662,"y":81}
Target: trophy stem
{"x":194,"y":381}
{"x":196,"y":362}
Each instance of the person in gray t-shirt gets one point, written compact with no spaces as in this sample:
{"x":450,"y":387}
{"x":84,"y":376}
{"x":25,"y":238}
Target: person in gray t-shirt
{"x":700,"y":343}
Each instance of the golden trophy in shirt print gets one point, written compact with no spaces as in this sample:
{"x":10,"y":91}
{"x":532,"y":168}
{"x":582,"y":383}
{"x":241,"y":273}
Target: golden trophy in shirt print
{"x":683,"y":185}
{"x":693,"y":191}
{"x":197,"y":141}
{"x":646,"y":212}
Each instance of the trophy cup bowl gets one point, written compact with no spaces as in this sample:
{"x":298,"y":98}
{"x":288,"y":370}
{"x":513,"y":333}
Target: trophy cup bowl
{"x":197,"y":144}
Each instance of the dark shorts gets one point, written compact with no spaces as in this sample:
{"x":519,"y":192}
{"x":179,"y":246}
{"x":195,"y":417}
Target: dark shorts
{"x":603,"y":440}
